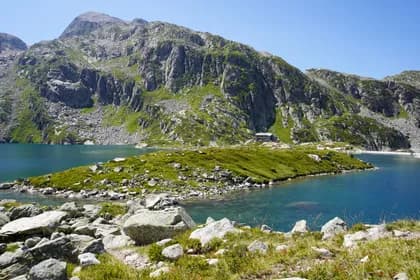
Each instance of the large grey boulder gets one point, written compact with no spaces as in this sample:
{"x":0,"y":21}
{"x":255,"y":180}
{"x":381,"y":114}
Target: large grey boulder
{"x":42,"y":224}
{"x":173,"y":252}
{"x":212,"y":230}
{"x":333,"y":227}
{"x":27,"y":210}
{"x":147,"y":226}
{"x":50,"y":269}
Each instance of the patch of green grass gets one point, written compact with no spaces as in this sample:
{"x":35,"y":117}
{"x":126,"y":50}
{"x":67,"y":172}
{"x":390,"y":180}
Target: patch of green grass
{"x":109,"y":269}
{"x":12,"y":247}
{"x":9,"y":204}
{"x":282,"y":132}
{"x":88,"y":110}
{"x":259,"y":163}
{"x":112,"y":209}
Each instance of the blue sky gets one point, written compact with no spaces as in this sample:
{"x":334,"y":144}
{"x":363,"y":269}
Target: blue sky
{"x":372,"y":38}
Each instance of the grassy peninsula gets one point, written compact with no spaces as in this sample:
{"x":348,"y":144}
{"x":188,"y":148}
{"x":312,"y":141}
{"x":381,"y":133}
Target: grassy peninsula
{"x":184,"y":170}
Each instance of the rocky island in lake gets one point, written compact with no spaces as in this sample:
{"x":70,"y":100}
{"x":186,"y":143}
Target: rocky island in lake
{"x":218,"y":119}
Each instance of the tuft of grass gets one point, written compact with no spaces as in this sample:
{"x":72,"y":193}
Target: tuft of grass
{"x":12,"y":247}
{"x":112,"y":209}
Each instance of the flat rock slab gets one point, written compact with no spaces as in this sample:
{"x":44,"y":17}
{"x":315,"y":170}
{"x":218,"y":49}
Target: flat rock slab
{"x":44,"y":224}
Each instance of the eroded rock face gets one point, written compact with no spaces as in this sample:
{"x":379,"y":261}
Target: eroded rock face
{"x":147,"y":226}
{"x":216,"y":229}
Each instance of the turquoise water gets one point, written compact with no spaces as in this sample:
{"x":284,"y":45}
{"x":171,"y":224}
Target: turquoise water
{"x":24,"y":160}
{"x":389,"y":193}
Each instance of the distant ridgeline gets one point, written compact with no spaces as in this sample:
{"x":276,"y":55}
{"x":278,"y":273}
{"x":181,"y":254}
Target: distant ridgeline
{"x":111,"y":81}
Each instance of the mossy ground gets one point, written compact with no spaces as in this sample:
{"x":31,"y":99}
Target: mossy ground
{"x":261,"y":164}
{"x":387,"y":257}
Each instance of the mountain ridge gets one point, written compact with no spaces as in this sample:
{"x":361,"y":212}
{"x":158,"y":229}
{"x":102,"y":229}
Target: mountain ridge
{"x":114,"y":81}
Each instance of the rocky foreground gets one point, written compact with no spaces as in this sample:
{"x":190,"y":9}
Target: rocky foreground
{"x":155,"y":238}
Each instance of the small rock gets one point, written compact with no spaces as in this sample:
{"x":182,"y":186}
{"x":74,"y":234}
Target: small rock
{"x":31,"y":242}
{"x":365,"y":259}
{"x":265,"y":228}
{"x":398,"y":233}
{"x":173,"y":252}
{"x":88,"y":259}
{"x":152,"y":183}
{"x":258,"y":246}
{"x":325,"y":253}
{"x":281,"y":248}
{"x":314,"y":157}
{"x":118,"y":169}
{"x":95,"y":167}
{"x":159,"y":272}
{"x":212,"y":261}
{"x":163,"y":242}
{"x":333,"y":227}
{"x":300,"y":227}
{"x":177,"y":165}
{"x":400,"y":276}
{"x":50,"y":269}
{"x":118,"y":159}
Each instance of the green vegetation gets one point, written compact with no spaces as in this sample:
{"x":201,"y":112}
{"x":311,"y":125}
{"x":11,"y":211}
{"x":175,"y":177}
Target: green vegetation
{"x":261,"y":164}
{"x":9,"y":204}
{"x":282,"y":132}
{"x":11,"y":247}
{"x":112,"y":209}
{"x":387,"y":257}
{"x":32,"y":117}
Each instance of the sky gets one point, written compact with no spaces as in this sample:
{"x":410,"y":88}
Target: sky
{"x":372,"y":38}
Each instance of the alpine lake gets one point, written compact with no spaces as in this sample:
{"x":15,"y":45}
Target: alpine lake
{"x":390,"y":192}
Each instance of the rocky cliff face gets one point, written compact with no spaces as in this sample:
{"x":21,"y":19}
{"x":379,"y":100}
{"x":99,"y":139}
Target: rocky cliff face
{"x":113,"y":81}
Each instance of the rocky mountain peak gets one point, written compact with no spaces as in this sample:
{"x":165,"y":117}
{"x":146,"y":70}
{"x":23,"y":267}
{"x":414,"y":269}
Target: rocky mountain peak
{"x":10,"y":42}
{"x":88,"y":22}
